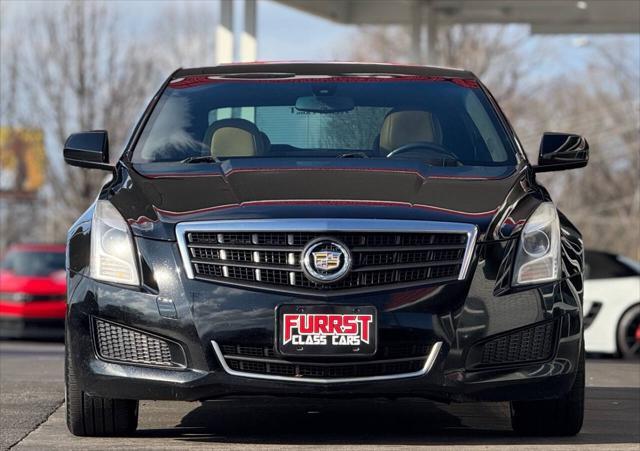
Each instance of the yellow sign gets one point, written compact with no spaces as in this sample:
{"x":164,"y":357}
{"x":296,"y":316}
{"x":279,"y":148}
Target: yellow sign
{"x":22,"y":160}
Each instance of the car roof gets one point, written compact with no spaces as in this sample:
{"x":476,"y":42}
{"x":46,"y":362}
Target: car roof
{"x":37,"y":247}
{"x":323,"y":68}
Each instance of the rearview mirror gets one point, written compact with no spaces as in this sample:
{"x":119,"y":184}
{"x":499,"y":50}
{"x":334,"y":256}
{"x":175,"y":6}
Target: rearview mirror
{"x":324,"y":104}
{"x":88,"y":150}
{"x":559,"y":151}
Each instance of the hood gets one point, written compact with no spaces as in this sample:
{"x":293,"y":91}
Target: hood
{"x":154,"y":197}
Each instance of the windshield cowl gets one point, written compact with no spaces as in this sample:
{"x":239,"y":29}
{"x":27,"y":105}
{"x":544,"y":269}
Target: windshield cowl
{"x":232,"y":166}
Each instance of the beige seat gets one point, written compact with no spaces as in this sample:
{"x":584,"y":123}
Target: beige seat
{"x":408,"y":126}
{"x":234,"y":138}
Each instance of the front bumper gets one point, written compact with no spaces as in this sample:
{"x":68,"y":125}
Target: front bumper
{"x":459,"y":316}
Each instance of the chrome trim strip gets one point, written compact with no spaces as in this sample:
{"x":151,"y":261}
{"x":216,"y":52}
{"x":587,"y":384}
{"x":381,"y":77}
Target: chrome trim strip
{"x":472,"y":235}
{"x":327,"y":225}
{"x":428,"y":364}
{"x":289,"y":362}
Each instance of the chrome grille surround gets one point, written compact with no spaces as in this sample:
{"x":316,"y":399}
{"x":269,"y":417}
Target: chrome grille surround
{"x":266,"y":253}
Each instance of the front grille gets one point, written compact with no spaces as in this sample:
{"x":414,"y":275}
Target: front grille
{"x":404,"y":360}
{"x":531,"y":344}
{"x":272,"y":260}
{"x":123,"y":344}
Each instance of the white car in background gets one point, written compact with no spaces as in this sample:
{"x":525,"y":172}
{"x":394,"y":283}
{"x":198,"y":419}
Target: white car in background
{"x":612,"y":305}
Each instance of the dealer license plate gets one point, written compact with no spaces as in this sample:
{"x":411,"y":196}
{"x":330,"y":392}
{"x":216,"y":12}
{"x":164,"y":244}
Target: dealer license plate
{"x":326,"y":330}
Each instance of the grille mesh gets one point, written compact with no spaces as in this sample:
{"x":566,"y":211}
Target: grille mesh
{"x":127,"y":345}
{"x":272,"y":259}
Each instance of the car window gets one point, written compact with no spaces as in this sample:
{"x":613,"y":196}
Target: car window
{"x":452,"y":120}
{"x":27,"y":263}
{"x":602,"y":265}
{"x":356,"y":129}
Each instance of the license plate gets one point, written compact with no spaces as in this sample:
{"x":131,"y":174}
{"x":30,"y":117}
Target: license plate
{"x":334,"y":330}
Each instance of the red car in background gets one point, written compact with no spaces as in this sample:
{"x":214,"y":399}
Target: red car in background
{"x":33,"y":291}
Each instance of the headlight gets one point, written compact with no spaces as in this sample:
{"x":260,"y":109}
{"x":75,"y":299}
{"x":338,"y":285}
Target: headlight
{"x":538,"y":258}
{"x":112,"y":253}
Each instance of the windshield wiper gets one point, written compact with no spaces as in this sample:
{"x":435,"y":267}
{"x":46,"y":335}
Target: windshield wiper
{"x":201,"y":159}
{"x":353,"y":155}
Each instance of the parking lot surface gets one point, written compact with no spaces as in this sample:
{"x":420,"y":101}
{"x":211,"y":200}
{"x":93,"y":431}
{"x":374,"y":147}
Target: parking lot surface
{"x":33,"y":416}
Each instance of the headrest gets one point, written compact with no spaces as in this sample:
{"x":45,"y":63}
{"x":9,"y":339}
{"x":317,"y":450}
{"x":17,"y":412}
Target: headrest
{"x":234,"y":137}
{"x":407,"y":126}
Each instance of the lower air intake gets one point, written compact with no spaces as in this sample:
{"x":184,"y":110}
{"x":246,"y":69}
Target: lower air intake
{"x":123,"y":344}
{"x":532,"y":344}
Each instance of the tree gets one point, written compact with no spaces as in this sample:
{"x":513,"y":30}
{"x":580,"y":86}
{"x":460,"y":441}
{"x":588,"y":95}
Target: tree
{"x":73,"y":72}
{"x":187,"y":40}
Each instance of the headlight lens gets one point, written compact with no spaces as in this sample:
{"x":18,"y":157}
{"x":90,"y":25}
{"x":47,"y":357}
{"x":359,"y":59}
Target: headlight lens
{"x":536,"y":243}
{"x":112,"y":252}
{"x":538,"y":258}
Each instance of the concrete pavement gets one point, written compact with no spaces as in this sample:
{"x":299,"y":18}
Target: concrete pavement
{"x":31,"y":387}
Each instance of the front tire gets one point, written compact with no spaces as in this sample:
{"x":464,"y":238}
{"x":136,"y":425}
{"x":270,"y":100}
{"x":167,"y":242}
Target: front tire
{"x":92,"y":416}
{"x":554,"y":417}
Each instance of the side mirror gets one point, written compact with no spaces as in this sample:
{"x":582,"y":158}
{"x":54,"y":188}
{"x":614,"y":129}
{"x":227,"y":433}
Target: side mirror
{"x":559,"y":151}
{"x":88,"y":150}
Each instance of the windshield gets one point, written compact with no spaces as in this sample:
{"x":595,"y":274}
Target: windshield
{"x":33,"y":263}
{"x":443,"y":122}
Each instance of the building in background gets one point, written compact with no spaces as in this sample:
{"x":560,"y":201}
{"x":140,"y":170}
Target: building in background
{"x":22,"y":163}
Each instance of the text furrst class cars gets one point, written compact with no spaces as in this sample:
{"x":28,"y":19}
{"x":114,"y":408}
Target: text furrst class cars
{"x":324,"y":230}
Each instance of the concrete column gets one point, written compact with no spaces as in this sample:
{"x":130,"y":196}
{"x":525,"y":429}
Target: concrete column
{"x":433,"y":57}
{"x":248,"y":42}
{"x":224,"y":33}
{"x":416,"y":31}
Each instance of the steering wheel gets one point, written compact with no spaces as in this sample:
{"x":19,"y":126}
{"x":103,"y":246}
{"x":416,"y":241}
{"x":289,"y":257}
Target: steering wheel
{"x":424,"y":147}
